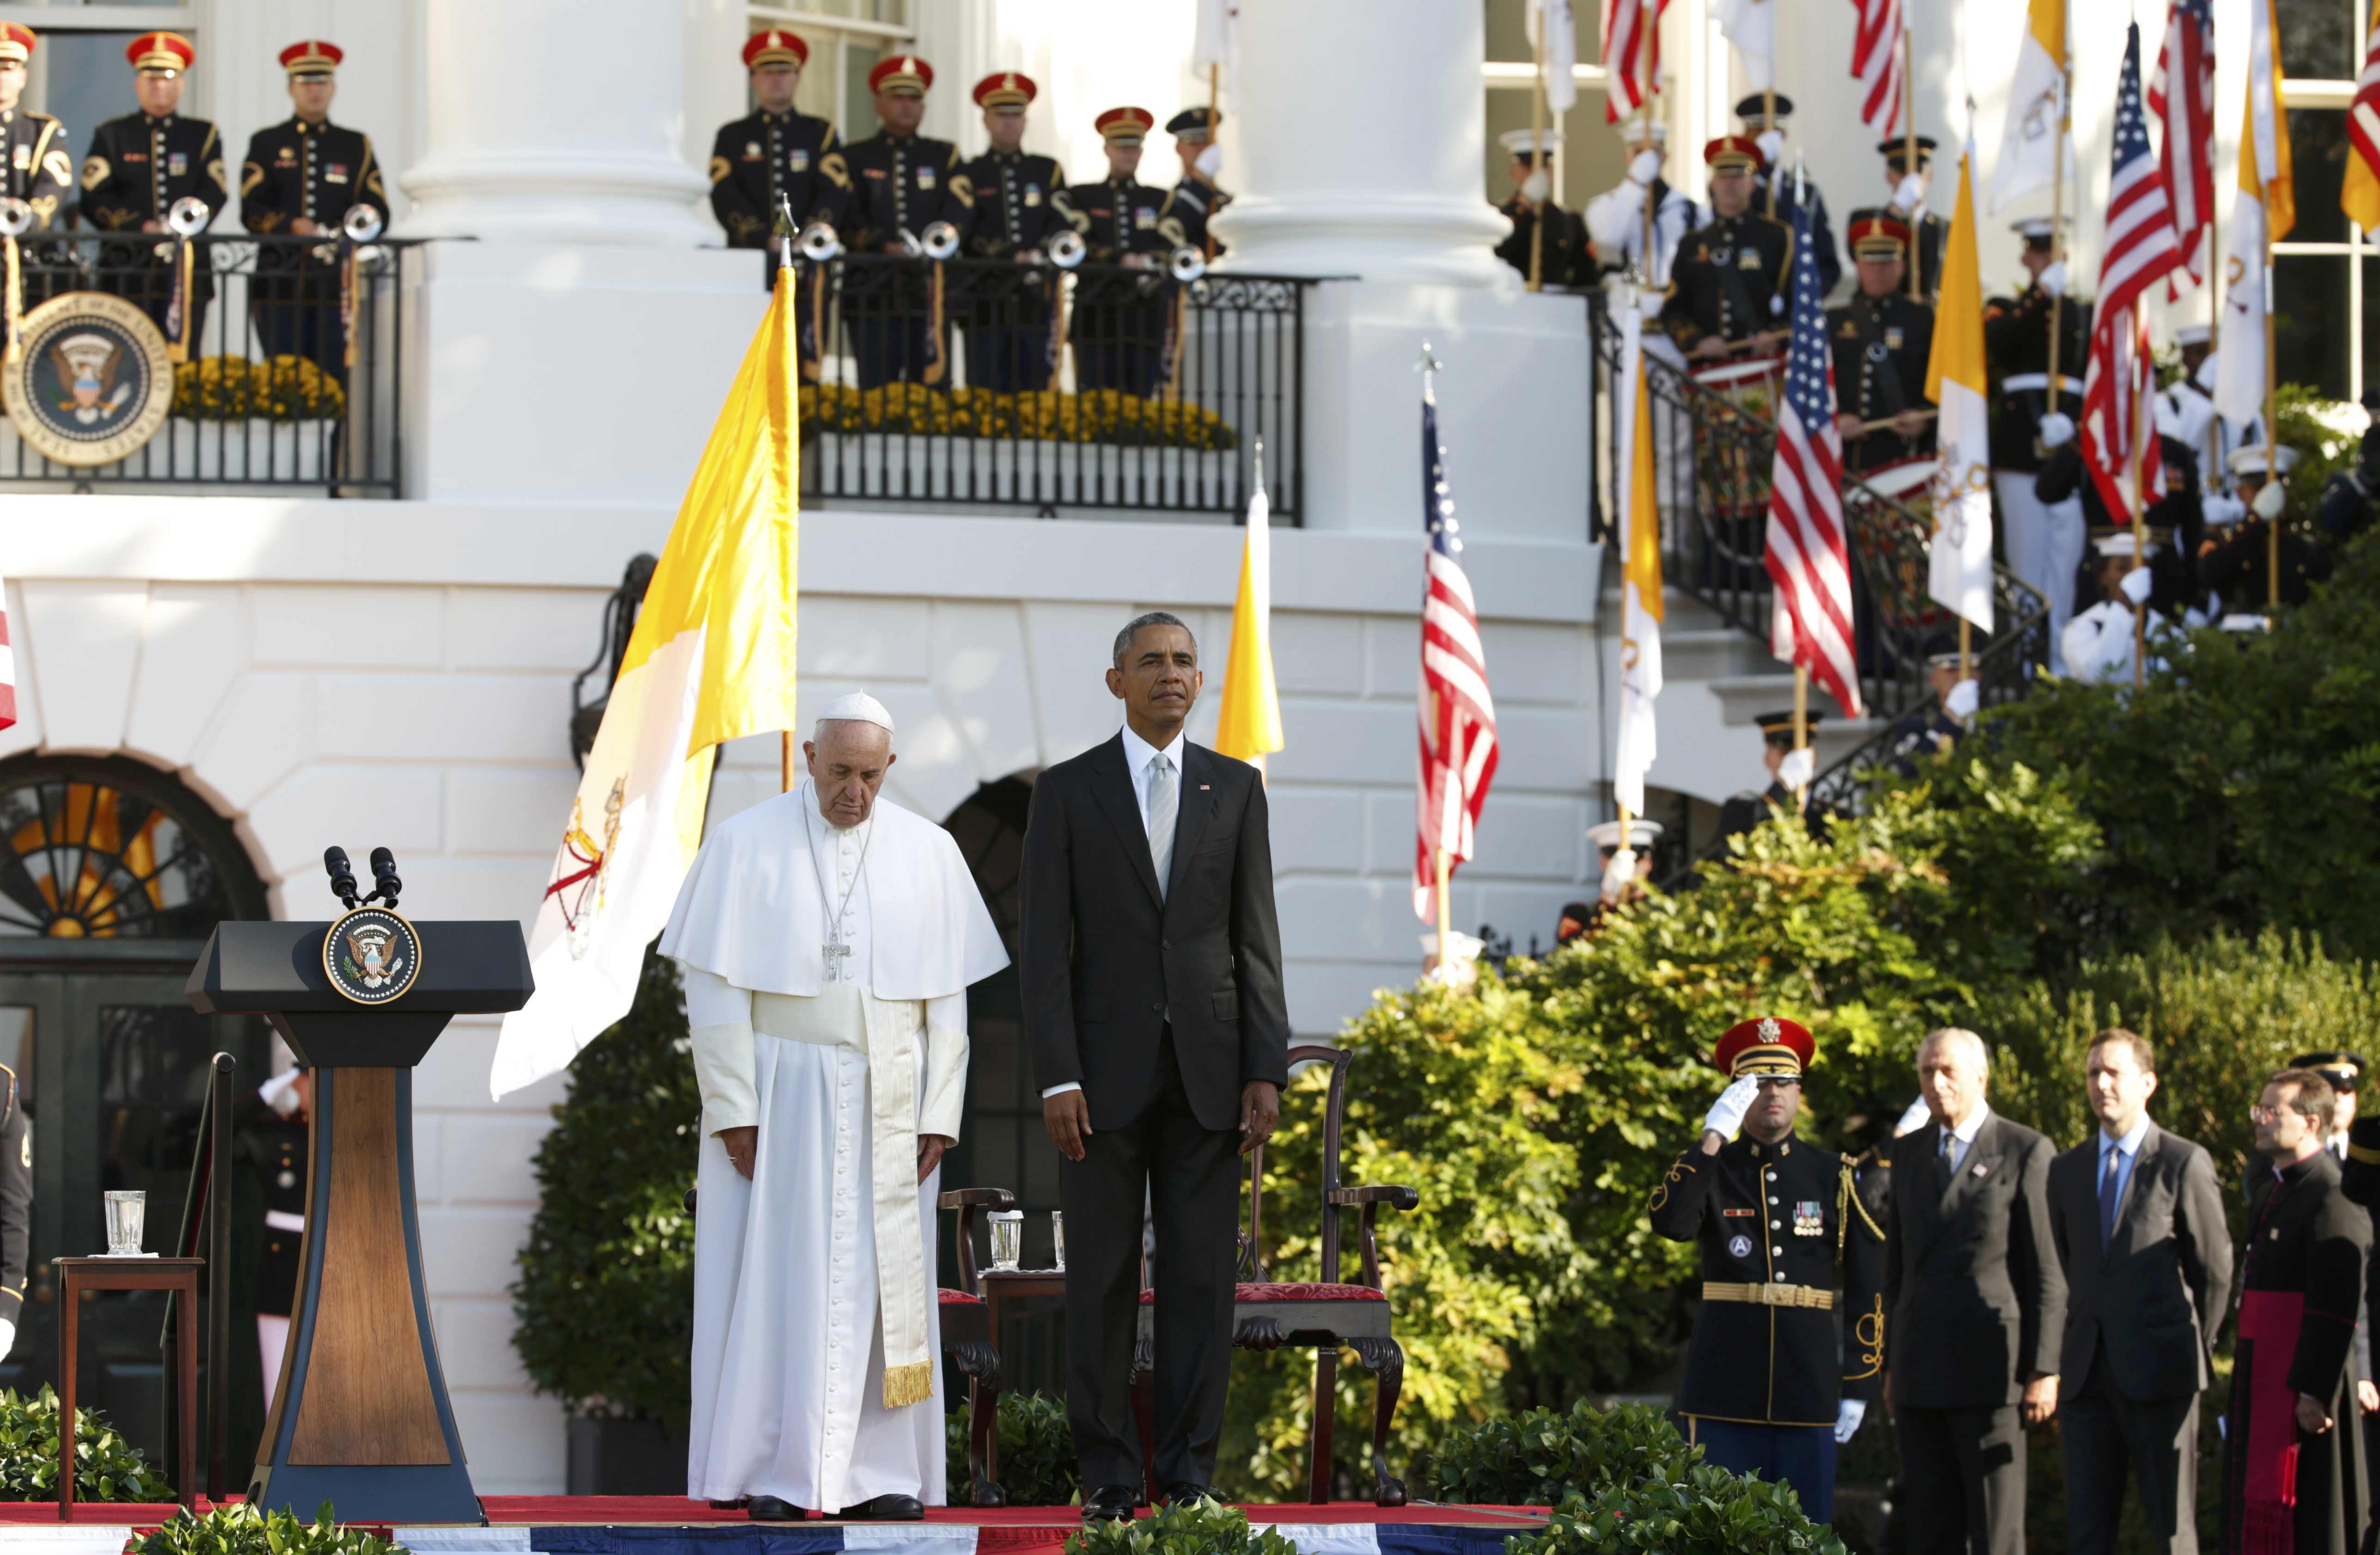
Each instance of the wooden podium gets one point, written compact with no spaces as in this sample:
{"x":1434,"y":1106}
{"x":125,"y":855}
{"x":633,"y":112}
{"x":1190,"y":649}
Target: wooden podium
{"x":360,"y":1418}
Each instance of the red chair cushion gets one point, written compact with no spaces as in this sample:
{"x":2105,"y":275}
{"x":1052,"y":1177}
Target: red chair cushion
{"x":958,"y":1298}
{"x":1276,"y":1291}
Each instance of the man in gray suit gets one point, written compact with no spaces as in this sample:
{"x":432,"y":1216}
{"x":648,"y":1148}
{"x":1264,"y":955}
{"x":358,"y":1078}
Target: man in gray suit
{"x":1977,"y":1303}
{"x":2138,"y":1219}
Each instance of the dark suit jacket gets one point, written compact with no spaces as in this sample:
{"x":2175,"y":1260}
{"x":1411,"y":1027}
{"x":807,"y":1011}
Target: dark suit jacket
{"x":1108,"y":963}
{"x":1971,"y":1273}
{"x":2152,"y":1301}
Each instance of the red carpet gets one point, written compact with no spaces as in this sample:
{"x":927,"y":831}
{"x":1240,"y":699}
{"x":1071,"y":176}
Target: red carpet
{"x":677,"y":1511}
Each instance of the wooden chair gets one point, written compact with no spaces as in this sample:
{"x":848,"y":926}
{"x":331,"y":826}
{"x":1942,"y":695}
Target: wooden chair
{"x":968,"y":1345}
{"x":1328,"y":1314}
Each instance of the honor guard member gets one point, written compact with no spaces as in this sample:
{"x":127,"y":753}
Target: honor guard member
{"x":2179,"y":516}
{"x":1767,"y":129}
{"x":299,"y":180}
{"x":136,"y":167}
{"x":1564,"y":259}
{"x":1728,"y":284}
{"x":1942,"y":723}
{"x":2185,"y":412}
{"x":776,"y":152}
{"x":2098,"y":645}
{"x":36,"y":166}
{"x":1781,"y":1367}
{"x":1617,"y":887}
{"x":1615,"y":219}
{"x":1193,"y":200}
{"x":1118,"y":323}
{"x":1020,"y":204}
{"x":2238,"y":568}
{"x":1907,"y":187}
{"x":1882,"y":338}
{"x":273,"y":1140}
{"x":2045,"y":541}
{"x":902,"y":183}
{"x":1789,"y":770}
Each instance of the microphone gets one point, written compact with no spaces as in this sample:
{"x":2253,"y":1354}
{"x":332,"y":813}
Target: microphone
{"x":383,"y":867}
{"x":343,"y":875}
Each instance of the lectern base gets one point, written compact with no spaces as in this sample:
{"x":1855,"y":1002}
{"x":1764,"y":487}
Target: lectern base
{"x":370,"y":1493}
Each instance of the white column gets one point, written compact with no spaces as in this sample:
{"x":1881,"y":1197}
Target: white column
{"x":556,"y":121}
{"x":1364,"y":125}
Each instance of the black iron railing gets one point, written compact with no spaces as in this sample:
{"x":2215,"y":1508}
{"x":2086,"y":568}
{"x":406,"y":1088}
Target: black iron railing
{"x":988,"y":381}
{"x":294,"y":369}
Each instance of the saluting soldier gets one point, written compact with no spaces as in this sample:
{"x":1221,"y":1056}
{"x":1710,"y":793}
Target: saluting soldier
{"x":36,"y":164}
{"x":2239,"y":567}
{"x":1730,"y":280}
{"x":1194,"y":200}
{"x":2044,"y":540}
{"x":136,"y":167}
{"x":1118,"y":323}
{"x":1908,"y":185}
{"x":774,"y":153}
{"x":1767,"y":131}
{"x":1942,"y":723}
{"x":1563,"y":260}
{"x":1020,"y":204}
{"x":1615,"y":219}
{"x":902,"y":183}
{"x":273,"y":1140}
{"x":1777,"y":1374}
{"x":1746,"y":809}
{"x":300,"y":180}
{"x":1882,"y":338}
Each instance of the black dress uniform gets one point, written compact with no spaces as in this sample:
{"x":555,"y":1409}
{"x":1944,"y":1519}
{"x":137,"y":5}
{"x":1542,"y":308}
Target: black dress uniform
{"x":899,"y":183}
{"x":1020,"y":203}
{"x":2016,"y":347}
{"x":1120,"y":320}
{"x":1728,"y":280}
{"x":136,"y":167}
{"x":1566,"y":260}
{"x":1777,"y":1228}
{"x":1755,"y":110}
{"x":1881,"y":346}
{"x":317,"y":172}
{"x":1189,"y":206}
{"x":2239,"y":568}
{"x":764,"y":157}
{"x":1745,"y":809}
{"x":37,"y":167}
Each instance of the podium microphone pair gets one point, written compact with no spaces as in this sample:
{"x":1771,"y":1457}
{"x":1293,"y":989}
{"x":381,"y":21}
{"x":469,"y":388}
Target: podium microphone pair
{"x":342,"y":878}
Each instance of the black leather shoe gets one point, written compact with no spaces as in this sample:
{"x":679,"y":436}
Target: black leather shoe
{"x":1185,"y":1493}
{"x":1110,"y":1503}
{"x":768,"y":1509}
{"x":739,"y":1504}
{"x":886,"y":1509}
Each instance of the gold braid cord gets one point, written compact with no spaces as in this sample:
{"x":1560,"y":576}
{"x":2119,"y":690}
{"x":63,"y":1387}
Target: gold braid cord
{"x":349,"y":267}
{"x":1661,"y":1190}
{"x":936,"y":363}
{"x":178,"y":348}
{"x":16,"y":306}
{"x":1868,"y":1332}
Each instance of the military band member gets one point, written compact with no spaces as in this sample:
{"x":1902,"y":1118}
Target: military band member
{"x":1882,"y":338}
{"x":36,"y":166}
{"x":2045,"y":541}
{"x":1777,"y":1374}
{"x":1561,"y":256}
{"x":274,"y":1139}
{"x":1907,"y":187}
{"x":2239,"y":567}
{"x":1118,"y":323}
{"x":136,"y":167}
{"x":902,"y":183}
{"x":1728,"y":283}
{"x":1194,"y":200}
{"x":299,"y":181}
{"x":776,"y":152}
{"x":1767,"y":130}
{"x":1020,"y":204}
{"x":1790,"y":773}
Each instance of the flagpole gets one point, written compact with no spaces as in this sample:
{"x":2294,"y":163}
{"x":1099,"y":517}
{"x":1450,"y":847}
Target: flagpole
{"x":2058,"y":205}
{"x":1644,"y":74}
{"x":1909,"y":150}
{"x":1768,"y":121}
{"x":2272,"y":428}
{"x":1800,"y":726}
{"x":1537,"y":165}
{"x":1445,"y":916}
{"x":2141,"y":434}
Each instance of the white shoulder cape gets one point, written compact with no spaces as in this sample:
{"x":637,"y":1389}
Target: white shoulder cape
{"x":749,"y":912}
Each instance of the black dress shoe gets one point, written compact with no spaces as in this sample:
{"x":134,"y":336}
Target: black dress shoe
{"x":768,"y":1509}
{"x":886,"y":1509}
{"x":1110,"y":1503}
{"x":739,"y":1504}
{"x":1185,"y":1493}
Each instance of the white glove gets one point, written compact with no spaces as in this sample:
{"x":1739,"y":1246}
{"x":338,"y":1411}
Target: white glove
{"x":1912,"y":1119}
{"x":1210,"y":161}
{"x":2222,"y":511}
{"x":1535,"y":187}
{"x":1772,"y":145}
{"x":7,"y":1337}
{"x":2270,"y":500}
{"x":1645,"y":166}
{"x":1798,"y":768}
{"x":2207,"y":373}
{"x":2057,"y":430}
{"x":1648,"y":302}
{"x":1619,"y":875}
{"x":1909,"y":192}
{"x":2052,"y":278}
{"x":1848,"y":1415}
{"x":2136,"y":584}
{"x":1963,"y":700}
{"x":1727,"y":1114}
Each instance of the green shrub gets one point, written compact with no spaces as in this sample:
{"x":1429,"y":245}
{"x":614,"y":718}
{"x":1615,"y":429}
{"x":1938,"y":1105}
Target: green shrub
{"x":107,"y":1467}
{"x":1197,"y":1528}
{"x":604,"y":1306}
{"x":1541,"y":1457}
{"x":1037,"y":1451}
{"x":1709,"y":1512}
{"x":243,"y":1530}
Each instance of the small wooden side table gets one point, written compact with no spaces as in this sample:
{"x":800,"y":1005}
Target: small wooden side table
{"x":179,"y":1275}
{"x":998,"y":1286}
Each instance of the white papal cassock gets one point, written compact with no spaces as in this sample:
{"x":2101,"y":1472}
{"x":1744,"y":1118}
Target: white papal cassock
{"x":816,"y":1371}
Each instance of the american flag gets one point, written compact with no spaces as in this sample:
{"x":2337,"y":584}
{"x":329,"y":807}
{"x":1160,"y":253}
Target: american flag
{"x":1632,"y":32}
{"x":7,"y":665}
{"x":2363,"y":131}
{"x":2119,"y":382}
{"x":1875,"y":63}
{"x":2181,"y":95}
{"x":1807,"y":558}
{"x":1458,"y":716}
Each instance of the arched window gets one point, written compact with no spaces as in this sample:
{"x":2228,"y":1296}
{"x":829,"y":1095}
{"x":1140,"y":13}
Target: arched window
{"x":104,"y":847}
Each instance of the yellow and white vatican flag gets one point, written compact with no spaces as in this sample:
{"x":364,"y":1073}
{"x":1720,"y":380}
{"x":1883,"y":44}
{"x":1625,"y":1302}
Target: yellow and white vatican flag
{"x":1959,"y":573}
{"x":2033,"y":137}
{"x":2261,"y":217}
{"x":1248,"y":728}
{"x":1640,"y":575}
{"x":711,"y":660}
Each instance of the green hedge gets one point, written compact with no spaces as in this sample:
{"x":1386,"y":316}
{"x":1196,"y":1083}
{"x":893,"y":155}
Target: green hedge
{"x":107,"y":1467}
{"x":1199,"y":1528}
{"x":1710,"y":1511}
{"x":1543,"y":1457}
{"x":243,"y":1530}
{"x":1037,"y":1451}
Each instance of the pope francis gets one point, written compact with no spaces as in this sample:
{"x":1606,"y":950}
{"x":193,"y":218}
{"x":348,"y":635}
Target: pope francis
{"x":828,"y":938}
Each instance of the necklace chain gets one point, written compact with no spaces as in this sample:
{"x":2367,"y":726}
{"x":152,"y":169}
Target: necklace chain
{"x":817,"y":865}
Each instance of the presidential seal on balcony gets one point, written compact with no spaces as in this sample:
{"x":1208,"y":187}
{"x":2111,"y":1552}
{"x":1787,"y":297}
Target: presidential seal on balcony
{"x":92,"y":380}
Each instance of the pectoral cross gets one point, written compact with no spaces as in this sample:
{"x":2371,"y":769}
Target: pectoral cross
{"x":835,"y":952}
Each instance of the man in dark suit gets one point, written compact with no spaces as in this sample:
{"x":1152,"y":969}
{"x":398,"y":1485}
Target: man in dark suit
{"x":1151,"y":973}
{"x":1977,"y":1305}
{"x":2138,"y":1219}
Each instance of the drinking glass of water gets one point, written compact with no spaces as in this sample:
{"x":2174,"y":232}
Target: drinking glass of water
{"x":1007,"y":1237}
{"x":125,"y":1213}
{"x":1058,"y":1236}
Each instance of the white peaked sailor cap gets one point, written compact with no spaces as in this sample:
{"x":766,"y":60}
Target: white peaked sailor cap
{"x":2193,"y":335}
{"x":1641,"y":834}
{"x":2253,"y":459}
{"x":857,"y":707}
{"x":2119,"y":544}
{"x":1520,"y":141}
